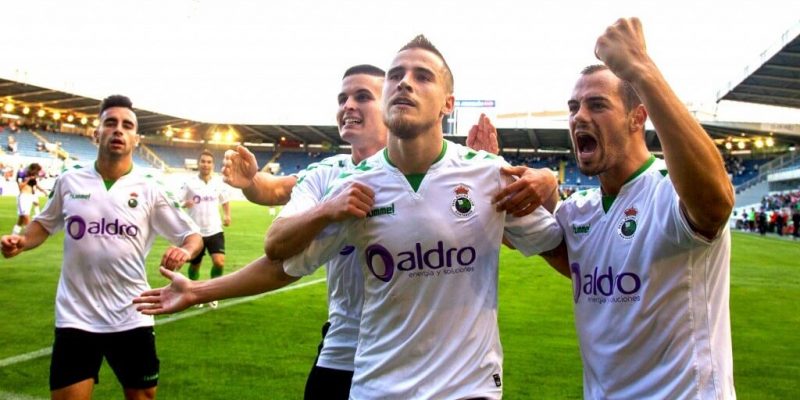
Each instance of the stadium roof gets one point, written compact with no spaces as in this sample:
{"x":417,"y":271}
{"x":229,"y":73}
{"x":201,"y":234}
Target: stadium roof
{"x":774,"y":82}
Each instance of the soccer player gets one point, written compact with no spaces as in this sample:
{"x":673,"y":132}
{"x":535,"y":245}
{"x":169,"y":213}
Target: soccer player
{"x":428,"y":244}
{"x":110,"y":213}
{"x":28,"y":185}
{"x":202,"y":196}
{"x":649,"y":251}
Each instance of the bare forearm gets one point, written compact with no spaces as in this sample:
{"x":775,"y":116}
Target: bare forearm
{"x":558,"y":259}
{"x":226,"y":210}
{"x":35,"y":235}
{"x":694,"y":163}
{"x":259,"y":276}
{"x":193,"y":244}
{"x":268,"y":190}
{"x":288,"y":236}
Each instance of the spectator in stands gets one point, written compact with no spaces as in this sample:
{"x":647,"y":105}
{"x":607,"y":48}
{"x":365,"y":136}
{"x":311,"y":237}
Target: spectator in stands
{"x":657,"y":229}
{"x":796,"y":222}
{"x":12,"y":144}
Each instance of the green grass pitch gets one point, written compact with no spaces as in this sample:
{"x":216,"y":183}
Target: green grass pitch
{"x":263,"y":348}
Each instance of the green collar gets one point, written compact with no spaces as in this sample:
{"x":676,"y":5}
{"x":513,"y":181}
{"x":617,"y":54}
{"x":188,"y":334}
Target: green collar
{"x":608,"y":200}
{"x":110,"y":182}
{"x":415,"y":180}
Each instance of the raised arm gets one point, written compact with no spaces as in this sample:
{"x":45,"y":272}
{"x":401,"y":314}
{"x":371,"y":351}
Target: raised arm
{"x":259,"y":276}
{"x":240,"y":170}
{"x":694,"y":164}
{"x":290,"y":235}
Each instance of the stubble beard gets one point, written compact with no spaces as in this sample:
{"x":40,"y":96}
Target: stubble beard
{"x":403,"y":128}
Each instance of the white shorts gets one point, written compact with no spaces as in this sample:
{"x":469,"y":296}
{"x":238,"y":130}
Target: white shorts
{"x":24,"y":203}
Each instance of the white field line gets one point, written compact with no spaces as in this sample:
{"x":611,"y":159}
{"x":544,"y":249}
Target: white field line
{"x":17,"y":396}
{"x":172,"y":318}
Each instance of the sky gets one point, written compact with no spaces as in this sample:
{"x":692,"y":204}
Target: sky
{"x":281,"y":62}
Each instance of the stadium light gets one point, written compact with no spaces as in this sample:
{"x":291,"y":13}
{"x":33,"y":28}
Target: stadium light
{"x":769,"y":142}
{"x":9,"y":107}
{"x":759,"y":143}
{"x":56,"y":115}
{"x":84,"y":120}
{"x":169,"y":132}
{"x":728,"y":145}
{"x":40,"y":113}
{"x":740,"y":145}
{"x":70,"y":118}
{"x":217,"y":136}
{"x":187,"y":134}
{"x":26,"y":110}
{"x":96,"y":123}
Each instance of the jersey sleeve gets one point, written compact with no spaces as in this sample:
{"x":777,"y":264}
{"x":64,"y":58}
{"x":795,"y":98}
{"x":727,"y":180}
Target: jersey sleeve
{"x":309,"y":189}
{"x":169,"y":220}
{"x":534,"y":233}
{"x":675,"y":223}
{"x":224,"y":192}
{"x":322,"y":249}
{"x":52,"y":216}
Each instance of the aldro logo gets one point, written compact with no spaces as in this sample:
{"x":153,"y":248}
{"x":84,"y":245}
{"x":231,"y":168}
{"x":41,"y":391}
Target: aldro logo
{"x":418,"y":262}
{"x":462,"y":205}
{"x":602,"y":286}
{"x":628,"y":225}
{"x":76,"y":227}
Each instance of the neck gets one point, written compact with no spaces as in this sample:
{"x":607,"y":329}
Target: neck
{"x":612,"y":180}
{"x":361,"y":153}
{"x":205,"y":178}
{"x":416,"y":155}
{"x":113,"y":168}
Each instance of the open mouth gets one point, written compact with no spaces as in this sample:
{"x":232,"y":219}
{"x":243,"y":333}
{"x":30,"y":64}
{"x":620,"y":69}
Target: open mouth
{"x":351,"y":121}
{"x":117,"y":142}
{"x":586,"y":144}
{"x":402,"y":101}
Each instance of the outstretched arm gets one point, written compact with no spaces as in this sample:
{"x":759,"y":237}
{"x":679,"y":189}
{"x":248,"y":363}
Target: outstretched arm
{"x":290,"y":235}
{"x":174,"y":257}
{"x":240,"y":170}
{"x":35,"y":234}
{"x":259,"y":276}
{"x":695,"y":166}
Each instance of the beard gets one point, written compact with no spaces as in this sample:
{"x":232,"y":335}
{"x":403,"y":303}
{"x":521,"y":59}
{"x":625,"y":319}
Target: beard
{"x":403,"y":128}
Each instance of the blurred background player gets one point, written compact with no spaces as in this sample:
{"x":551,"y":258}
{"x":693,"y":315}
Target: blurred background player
{"x":202,"y":196}
{"x":27,"y":179}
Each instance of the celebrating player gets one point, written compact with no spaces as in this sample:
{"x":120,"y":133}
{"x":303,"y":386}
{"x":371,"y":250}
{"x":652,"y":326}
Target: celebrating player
{"x":428,"y":240}
{"x":111,"y":214}
{"x":202,"y":196}
{"x":649,"y":251}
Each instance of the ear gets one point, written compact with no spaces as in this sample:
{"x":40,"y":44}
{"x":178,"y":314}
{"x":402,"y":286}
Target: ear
{"x":136,"y":140}
{"x":637,"y":118}
{"x":96,"y":135}
{"x":449,"y":105}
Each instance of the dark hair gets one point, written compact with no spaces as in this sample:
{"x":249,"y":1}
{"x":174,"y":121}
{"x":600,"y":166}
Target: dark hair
{"x":33,"y":168}
{"x":421,"y":42}
{"x":365,"y":69}
{"x":629,"y":96}
{"x":206,"y":152}
{"x":115,"y":100}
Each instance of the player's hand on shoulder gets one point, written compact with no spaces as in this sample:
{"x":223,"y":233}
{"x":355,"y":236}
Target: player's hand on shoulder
{"x":174,"y":257}
{"x":483,"y":136}
{"x":12,"y":245}
{"x":239,"y":167}
{"x":354,"y":201}
{"x":530,"y":189}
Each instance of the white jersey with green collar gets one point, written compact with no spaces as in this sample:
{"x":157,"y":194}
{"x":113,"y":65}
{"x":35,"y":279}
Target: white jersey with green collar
{"x":651,"y":295}
{"x":429,"y":259}
{"x":108,"y":234}
{"x":345,"y":283}
{"x":205,"y":198}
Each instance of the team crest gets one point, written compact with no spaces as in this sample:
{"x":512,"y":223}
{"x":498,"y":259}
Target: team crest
{"x":462,"y":205}
{"x":628,"y":226}
{"x":133,"y":201}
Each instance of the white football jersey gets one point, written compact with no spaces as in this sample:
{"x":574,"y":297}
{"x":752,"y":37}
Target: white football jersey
{"x":651,"y":295}
{"x":429,"y":260}
{"x":108,"y":234}
{"x":345,"y":283}
{"x":206,"y":197}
